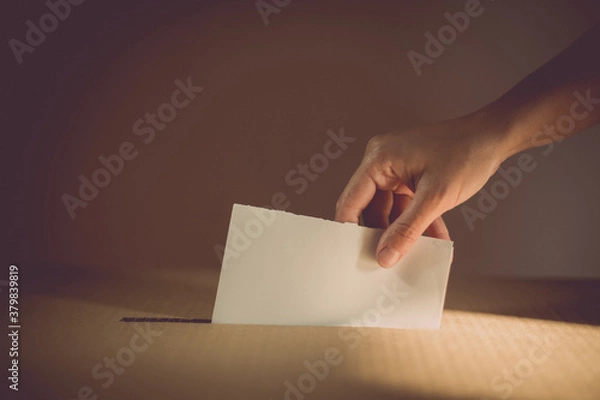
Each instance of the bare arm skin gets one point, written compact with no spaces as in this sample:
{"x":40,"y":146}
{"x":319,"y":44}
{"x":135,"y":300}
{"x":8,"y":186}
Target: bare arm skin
{"x":407,"y":180}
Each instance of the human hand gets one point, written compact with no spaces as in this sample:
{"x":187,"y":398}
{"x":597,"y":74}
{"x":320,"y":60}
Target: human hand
{"x":407,"y":180}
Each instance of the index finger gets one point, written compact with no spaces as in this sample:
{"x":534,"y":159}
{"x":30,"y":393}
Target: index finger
{"x":355,"y":197}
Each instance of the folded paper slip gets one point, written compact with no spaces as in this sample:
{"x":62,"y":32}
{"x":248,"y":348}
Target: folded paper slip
{"x":285,"y":269}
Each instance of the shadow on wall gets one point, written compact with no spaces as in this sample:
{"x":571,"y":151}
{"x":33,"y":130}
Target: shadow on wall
{"x":191,"y":293}
{"x":565,"y":300}
{"x":139,"y":293}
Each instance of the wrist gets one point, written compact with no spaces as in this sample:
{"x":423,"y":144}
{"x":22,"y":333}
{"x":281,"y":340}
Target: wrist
{"x":510,"y":130}
{"x":496,"y":132}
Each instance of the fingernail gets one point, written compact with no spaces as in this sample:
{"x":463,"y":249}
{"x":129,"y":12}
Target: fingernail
{"x":388,"y":257}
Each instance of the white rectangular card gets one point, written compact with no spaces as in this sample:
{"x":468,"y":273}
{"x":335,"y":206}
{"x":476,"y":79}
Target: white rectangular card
{"x":286,"y":269}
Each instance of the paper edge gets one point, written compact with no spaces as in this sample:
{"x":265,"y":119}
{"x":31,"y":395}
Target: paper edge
{"x":352,"y":224}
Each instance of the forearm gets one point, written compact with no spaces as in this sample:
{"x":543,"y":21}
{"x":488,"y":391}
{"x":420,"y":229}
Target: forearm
{"x":558,"y":100}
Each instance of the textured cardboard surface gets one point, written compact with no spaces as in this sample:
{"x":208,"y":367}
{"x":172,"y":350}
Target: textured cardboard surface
{"x":526,"y":339}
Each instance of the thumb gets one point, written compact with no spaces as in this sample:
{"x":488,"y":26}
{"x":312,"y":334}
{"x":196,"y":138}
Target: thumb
{"x":402,"y":234}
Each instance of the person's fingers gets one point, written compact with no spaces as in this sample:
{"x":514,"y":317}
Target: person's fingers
{"x":438,"y":229}
{"x":356,"y":196}
{"x":401,"y":202}
{"x":377,"y":213}
{"x":400,"y":236}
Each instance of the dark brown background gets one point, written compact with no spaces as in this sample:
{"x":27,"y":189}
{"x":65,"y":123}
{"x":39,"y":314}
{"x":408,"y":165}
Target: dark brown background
{"x":144,"y":247}
{"x":271,"y":93}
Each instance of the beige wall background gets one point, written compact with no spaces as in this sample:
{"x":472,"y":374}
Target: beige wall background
{"x":270,"y":95}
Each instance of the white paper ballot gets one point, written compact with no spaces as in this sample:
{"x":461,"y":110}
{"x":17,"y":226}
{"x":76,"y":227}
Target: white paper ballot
{"x":286,"y":269}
